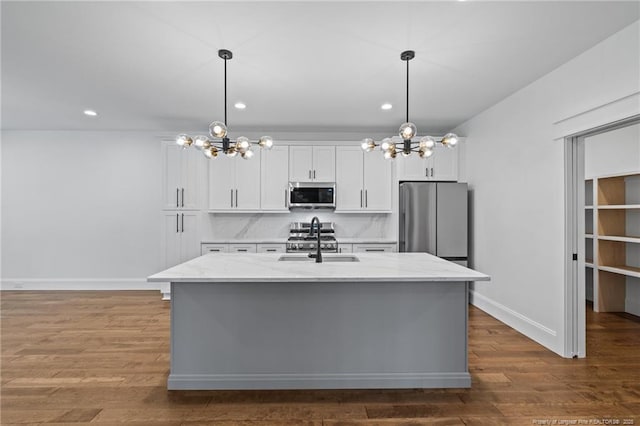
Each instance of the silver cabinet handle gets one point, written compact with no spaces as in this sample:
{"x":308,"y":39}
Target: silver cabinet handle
{"x":271,"y":250}
{"x":182,"y":197}
{"x":432,"y":172}
{"x":366,"y":198}
{"x":285,"y":198}
{"x":177,"y":197}
{"x":314,"y":174}
{"x":182,"y":222}
{"x":242,"y":249}
{"x":372,"y":249}
{"x":231,"y":203}
{"x":361,"y":198}
{"x":177,"y":222}
{"x":426,"y":172}
{"x":309,"y":174}
{"x":214,"y":250}
{"x":236,"y":198}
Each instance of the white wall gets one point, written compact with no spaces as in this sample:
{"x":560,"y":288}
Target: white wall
{"x":80,"y":207}
{"x":515,"y":171}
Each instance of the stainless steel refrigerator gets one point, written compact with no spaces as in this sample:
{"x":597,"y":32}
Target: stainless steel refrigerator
{"x":433,"y":219}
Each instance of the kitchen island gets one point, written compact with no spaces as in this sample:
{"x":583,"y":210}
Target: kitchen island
{"x":254,"y":321}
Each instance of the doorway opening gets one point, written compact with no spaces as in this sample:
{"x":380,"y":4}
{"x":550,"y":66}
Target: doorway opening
{"x":602,"y":241}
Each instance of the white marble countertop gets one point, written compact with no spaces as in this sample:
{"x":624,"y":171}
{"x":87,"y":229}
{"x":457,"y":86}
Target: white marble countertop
{"x":406,"y":267}
{"x":284,"y":241}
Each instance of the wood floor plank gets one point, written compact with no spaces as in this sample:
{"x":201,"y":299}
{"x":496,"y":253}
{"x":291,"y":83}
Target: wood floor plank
{"x":87,"y":358}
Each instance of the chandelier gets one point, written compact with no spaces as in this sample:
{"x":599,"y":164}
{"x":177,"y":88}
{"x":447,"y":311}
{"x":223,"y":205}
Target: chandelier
{"x":219,"y":142}
{"x":424,"y":147}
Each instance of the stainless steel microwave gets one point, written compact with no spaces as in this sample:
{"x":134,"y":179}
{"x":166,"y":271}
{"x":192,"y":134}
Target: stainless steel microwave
{"x":312,"y":195}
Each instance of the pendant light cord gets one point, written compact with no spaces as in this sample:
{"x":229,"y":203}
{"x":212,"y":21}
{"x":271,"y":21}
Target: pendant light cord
{"x":225,"y":93}
{"x":407,"y":92}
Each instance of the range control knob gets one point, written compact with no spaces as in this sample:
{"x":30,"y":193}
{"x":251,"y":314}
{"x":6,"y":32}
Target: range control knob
{"x":323,"y":245}
{"x":312,"y":245}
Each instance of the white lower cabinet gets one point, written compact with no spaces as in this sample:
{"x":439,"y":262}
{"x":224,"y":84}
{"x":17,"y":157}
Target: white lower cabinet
{"x":374,"y":248}
{"x":242,"y":248}
{"x":214,"y":248}
{"x":271,"y":248}
{"x":345,"y":248}
{"x":180,"y":235}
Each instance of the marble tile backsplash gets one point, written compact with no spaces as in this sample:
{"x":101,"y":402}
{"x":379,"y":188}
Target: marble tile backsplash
{"x":247,"y":226}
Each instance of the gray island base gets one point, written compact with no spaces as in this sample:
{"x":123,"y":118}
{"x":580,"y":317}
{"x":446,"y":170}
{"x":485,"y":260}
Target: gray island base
{"x":393,"y":320}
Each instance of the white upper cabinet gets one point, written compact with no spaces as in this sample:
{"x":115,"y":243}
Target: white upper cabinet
{"x":363,"y":181}
{"x":274,"y":179}
{"x":441,"y":166}
{"x":312,"y":163}
{"x":234,"y":183}
{"x":182,"y":169}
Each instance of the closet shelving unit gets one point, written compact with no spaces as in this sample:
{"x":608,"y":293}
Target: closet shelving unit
{"x":612,"y":238}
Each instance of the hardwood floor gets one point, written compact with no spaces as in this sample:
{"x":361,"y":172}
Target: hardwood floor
{"x":103,"y":357}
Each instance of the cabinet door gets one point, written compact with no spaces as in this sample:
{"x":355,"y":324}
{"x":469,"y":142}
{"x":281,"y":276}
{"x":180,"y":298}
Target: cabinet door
{"x":247,"y":190}
{"x":192,"y":162}
{"x":324,"y":164}
{"x":274,"y":179}
{"x":349,"y":172}
{"x":414,"y":168}
{"x":222,"y":183}
{"x":345,"y":248}
{"x":300,"y":163}
{"x":214,"y":248}
{"x":377,"y":183}
{"x":242,"y":248}
{"x":271,"y":248}
{"x":171,"y":174}
{"x":189,"y":236}
{"x":373,"y":248}
{"x":171,"y":239}
{"x":445,"y":163}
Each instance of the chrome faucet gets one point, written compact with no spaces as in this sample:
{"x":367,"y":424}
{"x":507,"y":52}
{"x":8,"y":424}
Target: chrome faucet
{"x":318,"y":255}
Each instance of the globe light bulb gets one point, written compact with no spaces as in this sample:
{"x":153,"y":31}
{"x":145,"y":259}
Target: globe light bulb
{"x":231,"y":152}
{"x":265,"y":142}
{"x":201,"y":142}
{"x":217,"y":129}
{"x":425,"y":152}
{"x":247,"y":154}
{"x":184,"y":140}
{"x":427,"y":142}
{"x":242,"y":144}
{"x":388,"y":155}
{"x":368,"y":144}
{"x":408,"y":131}
{"x":449,"y":140}
{"x":386,"y":144}
{"x":211,"y":152}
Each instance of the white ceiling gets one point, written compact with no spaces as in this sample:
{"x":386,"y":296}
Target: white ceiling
{"x":297,"y":65}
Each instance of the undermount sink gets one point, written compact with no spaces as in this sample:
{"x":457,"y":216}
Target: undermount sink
{"x":325,"y":258}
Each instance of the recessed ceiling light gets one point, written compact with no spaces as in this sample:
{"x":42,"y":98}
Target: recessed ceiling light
{"x":386,"y":106}
{"x":90,"y":112}
{"x":240,"y":105}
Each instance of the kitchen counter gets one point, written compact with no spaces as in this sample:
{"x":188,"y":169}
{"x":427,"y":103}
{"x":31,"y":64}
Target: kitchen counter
{"x":392,"y":320}
{"x":230,"y":267}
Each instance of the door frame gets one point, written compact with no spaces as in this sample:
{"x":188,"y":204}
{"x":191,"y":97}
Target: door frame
{"x":575,"y":310}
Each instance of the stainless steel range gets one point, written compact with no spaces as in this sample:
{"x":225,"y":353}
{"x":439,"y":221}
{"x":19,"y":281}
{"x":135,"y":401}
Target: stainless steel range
{"x":300,"y":241}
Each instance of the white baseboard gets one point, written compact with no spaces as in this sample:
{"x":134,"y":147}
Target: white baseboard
{"x":632,"y":307}
{"x":77,"y":284}
{"x":525,"y":325}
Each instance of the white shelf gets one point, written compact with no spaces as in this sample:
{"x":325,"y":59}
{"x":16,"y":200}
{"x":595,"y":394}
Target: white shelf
{"x":588,"y":235}
{"x":588,"y":263}
{"x":619,"y":238}
{"x":630,"y":271}
{"x":618,"y":206}
{"x":588,"y":207}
